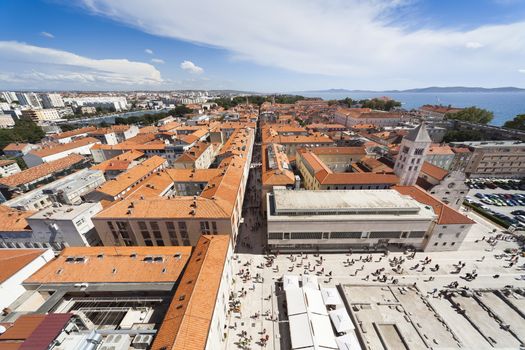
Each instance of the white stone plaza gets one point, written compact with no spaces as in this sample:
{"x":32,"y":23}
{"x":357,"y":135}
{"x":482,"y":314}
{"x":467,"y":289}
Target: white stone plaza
{"x":439,"y":313}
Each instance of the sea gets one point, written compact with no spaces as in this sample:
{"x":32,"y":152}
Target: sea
{"x":504,"y":105}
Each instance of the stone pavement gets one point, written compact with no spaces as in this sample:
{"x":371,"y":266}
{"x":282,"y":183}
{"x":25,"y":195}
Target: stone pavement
{"x":256,"y":280}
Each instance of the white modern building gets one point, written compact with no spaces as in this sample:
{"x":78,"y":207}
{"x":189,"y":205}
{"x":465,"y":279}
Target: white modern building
{"x":119,"y":103}
{"x":6,"y":121}
{"x":67,"y":190}
{"x":8,"y":167}
{"x":28,"y":99}
{"x":67,"y":225}
{"x":339,"y":220}
{"x":17,"y":266}
{"x":41,"y":115}
{"x":9,"y":96}
{"x":52,"y":101}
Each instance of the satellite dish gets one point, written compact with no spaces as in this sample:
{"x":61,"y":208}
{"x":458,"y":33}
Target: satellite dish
{"x":2,"y":329}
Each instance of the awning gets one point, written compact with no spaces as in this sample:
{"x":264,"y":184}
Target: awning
{"x":341,"y":320}
{"x":290,"y":281}
{"x":310,"y":281}
{"x":331,"y":296}
{"x":314,"y":301}
{"x":300,"y":332}
{"x":295,"y":303}
{"x":348,"y":342}
{"x":322,"y":329}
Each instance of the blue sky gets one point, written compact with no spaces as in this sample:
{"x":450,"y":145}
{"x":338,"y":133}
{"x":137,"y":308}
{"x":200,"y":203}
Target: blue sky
{"x":276,"y":45}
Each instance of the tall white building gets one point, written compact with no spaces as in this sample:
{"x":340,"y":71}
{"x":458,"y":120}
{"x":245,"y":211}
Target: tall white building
{"x":52,"y":101}
{"x":117,"y":102}
{"x":28,"y":99}
{"x":9,"y":96}
{"x":411,"y":155}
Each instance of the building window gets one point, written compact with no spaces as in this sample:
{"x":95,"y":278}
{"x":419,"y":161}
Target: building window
{"x":172,"y":234}
{"x":440,"y":235}
{"x":205,"y":227}
{"x":419,"y":151}
{"x":183,"y":230}
{"x":214,"y":227}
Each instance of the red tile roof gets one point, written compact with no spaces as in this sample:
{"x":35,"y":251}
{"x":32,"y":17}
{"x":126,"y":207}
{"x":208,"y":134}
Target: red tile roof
{"x":446,"y":215}
{"x":13,"y":260}
{"x":434,"y":171}
{"x":42,"y":170}
{"x":190,"y":314}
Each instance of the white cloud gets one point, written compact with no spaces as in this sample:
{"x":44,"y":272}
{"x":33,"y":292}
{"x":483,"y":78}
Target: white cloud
{"x":364,"y":41}
{"x":149,"y":51}
{"x":521,"y":71}
{"x":157,"y":60}
{"x":190,"y":67}
{"x":473,"y":45}
{"x":25,"y":64}
{"x":47,"y":35}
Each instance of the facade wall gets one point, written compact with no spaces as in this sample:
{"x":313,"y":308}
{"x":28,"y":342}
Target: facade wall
{"x":325,"y":232}
{"x":497,"y":162}
{"x":12,"y":288}
{"x":220,"y":313}
{"x":159,"y":232}
{"x":75,"y":232}
{"x":9,"y":169}
{"x":447,"y":237}
{"x":452,"y":190}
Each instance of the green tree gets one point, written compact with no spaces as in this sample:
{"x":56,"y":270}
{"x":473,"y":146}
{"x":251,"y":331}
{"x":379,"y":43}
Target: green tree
{"x":473,"y":115}
{"x":180,"y":111}
{"x":517,"y":123}
{"x":463,"y":135}
{"x":23,"y":131}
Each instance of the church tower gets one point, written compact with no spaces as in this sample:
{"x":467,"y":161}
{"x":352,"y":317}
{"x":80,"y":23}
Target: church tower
{"x":411,"y":155}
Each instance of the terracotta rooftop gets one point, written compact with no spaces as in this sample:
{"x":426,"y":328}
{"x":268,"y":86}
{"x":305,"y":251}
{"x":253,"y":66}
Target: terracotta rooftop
{"x":446,"y":215}
{"x":190,"y":314}
{"x":460,"y":150}
{"x":13,"y":260}
{"x":127,"y":179}
{"x":20,"y":330}
{"x":194,"y":152}
{"x":4,"y":162}
{"x":338,"y":150}
{"x":72,"y":133}
{"x":120,"y":162}
{"x":439,"y":149}
{"x":148,"y":129}
{"x":276,"y":169}
{"x":113,"y":265}
{"x":47,"y":151}
{"x":41,"y":170}
{"x":325,"y":176}
{"x":440,"y":109}
{"x":164,"y":208}
{"x":15,"y":146}
{"x":217,"y":200}
{"x":193,"y":175}
{"x":434,"y":171}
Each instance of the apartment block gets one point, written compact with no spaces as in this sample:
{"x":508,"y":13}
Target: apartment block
{"x":505,"y":159}
{"x":8,"y":167}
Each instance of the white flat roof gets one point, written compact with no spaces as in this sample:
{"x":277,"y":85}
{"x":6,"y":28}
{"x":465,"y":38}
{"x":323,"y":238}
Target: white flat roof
{"x":334,"y":200}
{"x":331,"y":296}
{"x":290,"y":281}
{"x":65,"y":212}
